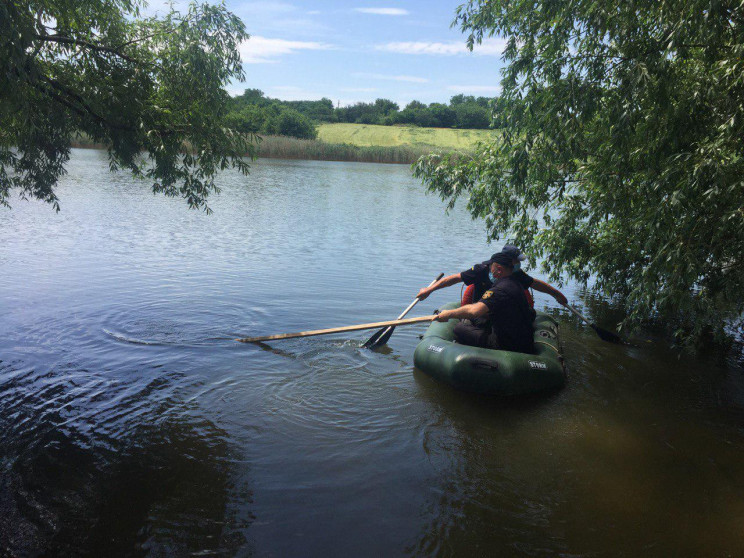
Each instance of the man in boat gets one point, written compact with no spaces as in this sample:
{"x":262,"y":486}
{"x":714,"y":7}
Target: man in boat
{"x":501,"y":319}
{"x":478,"y":276}
{"x":528,"y":282}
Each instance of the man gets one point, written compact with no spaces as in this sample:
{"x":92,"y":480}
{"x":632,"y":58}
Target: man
{"x":528,"y":282}
{"x":509,"y":317}
{"x":478,"y":276}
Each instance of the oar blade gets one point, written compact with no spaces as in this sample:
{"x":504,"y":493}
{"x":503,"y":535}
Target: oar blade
{"x":380,"y":338}
{"x":608,"y":336}
{"x":372,"y":341}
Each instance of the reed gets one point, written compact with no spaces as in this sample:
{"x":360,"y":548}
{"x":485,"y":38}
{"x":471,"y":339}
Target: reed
{"x":281,"y":147}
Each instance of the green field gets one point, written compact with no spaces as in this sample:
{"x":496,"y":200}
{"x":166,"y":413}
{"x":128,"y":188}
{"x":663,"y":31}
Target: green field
{"x":366,"y":135}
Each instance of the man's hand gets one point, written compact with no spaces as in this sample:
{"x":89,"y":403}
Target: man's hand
{"x":423,"y":293}
{"x":442,"y":316}
{"x":561,"y":298}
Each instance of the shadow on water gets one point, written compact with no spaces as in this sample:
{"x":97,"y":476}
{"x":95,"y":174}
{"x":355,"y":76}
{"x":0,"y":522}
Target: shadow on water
{"x":638,"y":455}
{"x":77,"y":481}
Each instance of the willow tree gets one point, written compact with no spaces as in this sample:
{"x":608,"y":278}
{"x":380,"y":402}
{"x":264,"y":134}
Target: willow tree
{"x":152,"y":89}
{"x":622,"y":152}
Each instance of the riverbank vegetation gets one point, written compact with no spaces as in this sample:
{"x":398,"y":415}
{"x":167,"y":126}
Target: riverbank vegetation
{"x":358,"y":142}
{"x":621,"y":153}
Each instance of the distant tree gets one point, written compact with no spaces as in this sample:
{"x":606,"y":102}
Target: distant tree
{"x":289,"y":122}
{"x":621,"y":153}
{"x":461,"y":99}
{"x":386,"y":107}
{"x":248,"y":120}
{"x":471,"y":115}
{"x":138,"y":85}
{"x":444,"y":116}
{"x":415,"y":105}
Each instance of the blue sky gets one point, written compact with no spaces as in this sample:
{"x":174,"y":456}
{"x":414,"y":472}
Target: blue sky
{"x":361,"y":51}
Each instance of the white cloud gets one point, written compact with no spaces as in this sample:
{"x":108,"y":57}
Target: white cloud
{"x":358,"y":89}
{"x":489,"y":47}
{"x":383,"y":11}
{"x":492,"y":89}
{"x":386,"y":77}
{"x":261,"y":50}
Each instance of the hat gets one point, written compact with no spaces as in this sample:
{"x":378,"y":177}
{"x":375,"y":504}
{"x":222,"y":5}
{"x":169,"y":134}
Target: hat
{"x":513,"y":252}
{"x":502,"y":259}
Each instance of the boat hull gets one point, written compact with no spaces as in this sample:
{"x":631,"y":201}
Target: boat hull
{"x":492,"y":371}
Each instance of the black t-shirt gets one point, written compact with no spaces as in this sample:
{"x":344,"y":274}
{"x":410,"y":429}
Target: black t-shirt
{"x":523,"y":279}
{"x":478,"y":276}
{"x":510,"y":315}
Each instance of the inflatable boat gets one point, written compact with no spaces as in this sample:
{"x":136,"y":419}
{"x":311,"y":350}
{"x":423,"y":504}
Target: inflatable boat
{"x":492,"y":371}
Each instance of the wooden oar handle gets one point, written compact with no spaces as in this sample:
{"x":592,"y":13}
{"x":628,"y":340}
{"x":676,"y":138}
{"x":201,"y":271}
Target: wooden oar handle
{"x":374,"y":325}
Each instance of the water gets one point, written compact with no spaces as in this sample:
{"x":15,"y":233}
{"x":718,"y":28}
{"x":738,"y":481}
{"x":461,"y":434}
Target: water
{"x":129,"y":426}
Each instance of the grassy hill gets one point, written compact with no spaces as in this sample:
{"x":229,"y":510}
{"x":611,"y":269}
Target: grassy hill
{"x":368,"y":135}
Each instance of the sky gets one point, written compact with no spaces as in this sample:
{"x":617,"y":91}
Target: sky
{"x":358,"y":51}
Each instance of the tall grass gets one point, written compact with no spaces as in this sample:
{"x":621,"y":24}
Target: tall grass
{"x":281,"y":147}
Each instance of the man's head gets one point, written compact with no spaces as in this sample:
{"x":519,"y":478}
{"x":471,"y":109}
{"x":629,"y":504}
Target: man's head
{"x":501,"y":265}
{"x":514,"y":253}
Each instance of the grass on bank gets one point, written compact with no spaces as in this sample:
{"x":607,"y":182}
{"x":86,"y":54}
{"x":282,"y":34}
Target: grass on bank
{"x":364,"y":135}
{"x":366,"y":143}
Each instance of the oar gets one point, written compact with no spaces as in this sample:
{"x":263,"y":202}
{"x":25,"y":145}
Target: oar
{"x":381,"y":337}
{"x":604,"y":335}
{"x":374,"y":325}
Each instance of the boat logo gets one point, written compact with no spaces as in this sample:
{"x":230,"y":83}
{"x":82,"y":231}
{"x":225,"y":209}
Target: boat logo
{"x":538,"y":365}
{"x":434,"y":349}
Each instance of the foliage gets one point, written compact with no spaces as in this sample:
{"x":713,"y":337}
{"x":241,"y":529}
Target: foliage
{"x":137,"y":84}
{"x":254,"y":113}
{"x":464,"y":112}
{"x":291,"y":123}
{"x":622,"y":156}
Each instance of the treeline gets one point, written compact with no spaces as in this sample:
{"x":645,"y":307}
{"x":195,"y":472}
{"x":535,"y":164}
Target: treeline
{"x":252,"y":112}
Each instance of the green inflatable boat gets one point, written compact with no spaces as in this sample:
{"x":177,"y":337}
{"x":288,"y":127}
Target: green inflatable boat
{"x":490,"y":371}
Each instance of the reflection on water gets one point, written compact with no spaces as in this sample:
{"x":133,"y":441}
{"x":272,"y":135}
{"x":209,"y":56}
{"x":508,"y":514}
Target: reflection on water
{"x":131,"y":422}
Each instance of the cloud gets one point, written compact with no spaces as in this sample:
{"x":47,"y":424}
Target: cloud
{"x":358,"y":89}
{"x":489,"y":47}
{"x":492,"y":89}
{"x":383,"y":11}
{"x":386,"y":77}
{"x":262,"y":50}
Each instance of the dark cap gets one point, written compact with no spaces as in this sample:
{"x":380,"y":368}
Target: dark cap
{"x":513,"y":252}
{"x":502,"y":259}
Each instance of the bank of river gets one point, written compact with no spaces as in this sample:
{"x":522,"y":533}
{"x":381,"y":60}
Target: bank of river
{"x":128,"y":425}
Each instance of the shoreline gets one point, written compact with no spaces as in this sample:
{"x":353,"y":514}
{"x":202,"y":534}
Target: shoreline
{"x":282,"y":147}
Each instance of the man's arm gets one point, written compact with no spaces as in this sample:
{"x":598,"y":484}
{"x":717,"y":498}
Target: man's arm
{"x":443,"y":282}
{"x":543,"y":287}
{"x":467,"y":312}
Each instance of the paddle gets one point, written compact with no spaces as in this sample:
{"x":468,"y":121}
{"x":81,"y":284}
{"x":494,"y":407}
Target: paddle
{"x":381,"y":337}
{"x":374,"y":325}
{"x":604,"y":335}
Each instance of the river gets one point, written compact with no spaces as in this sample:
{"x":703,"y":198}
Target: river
{"x":130,"y":426}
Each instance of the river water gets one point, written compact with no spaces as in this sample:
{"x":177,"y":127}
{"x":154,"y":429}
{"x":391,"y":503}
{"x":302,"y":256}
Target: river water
{"x":130,"y":426}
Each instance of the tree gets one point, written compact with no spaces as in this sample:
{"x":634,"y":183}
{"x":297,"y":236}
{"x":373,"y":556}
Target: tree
{"x":289,"y":122}
{"x":471,"y":115}
{"x":622,"y":151}
{"x":139,"y":85}
{"x":443,"y":114}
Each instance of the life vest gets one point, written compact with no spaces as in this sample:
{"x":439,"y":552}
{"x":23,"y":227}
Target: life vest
{"x":467,"y":296}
